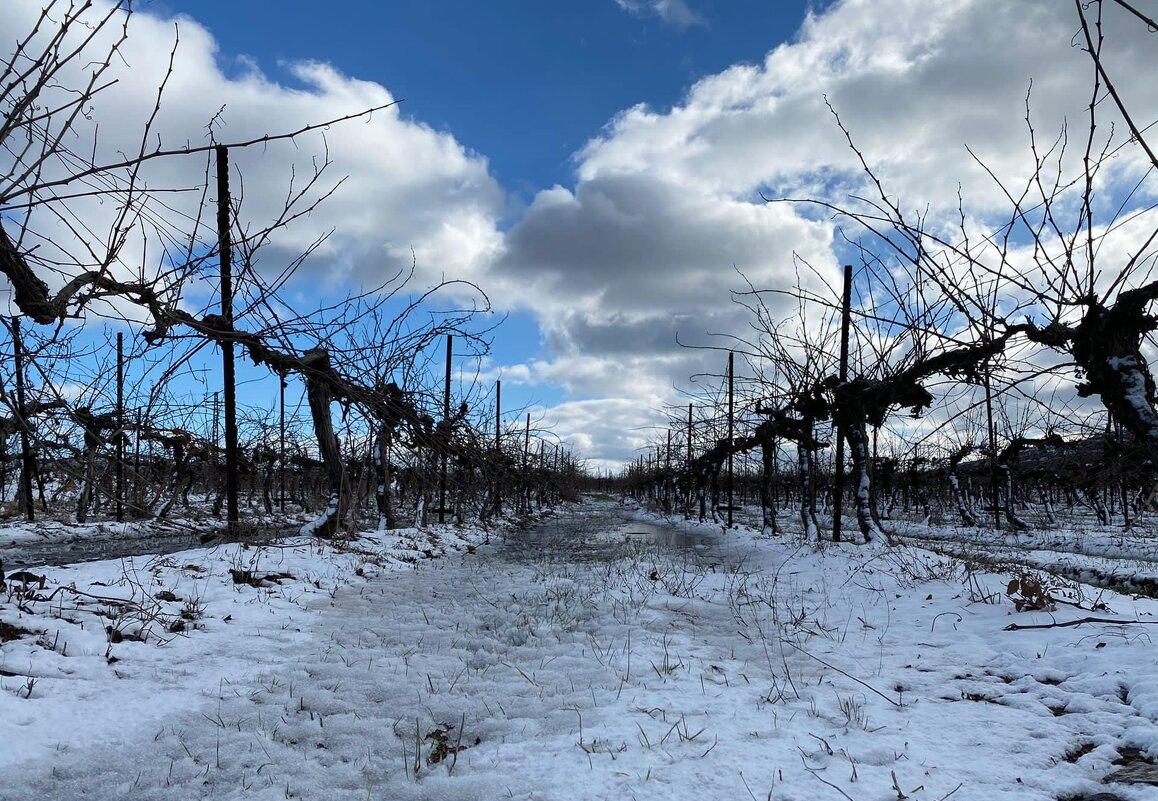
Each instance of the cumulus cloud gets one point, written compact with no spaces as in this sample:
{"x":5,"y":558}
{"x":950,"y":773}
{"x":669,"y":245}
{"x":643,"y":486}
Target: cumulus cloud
{"x":624,"y":269}
{"x":607,"y":431}
{"x":668,"y":201}
{"x":665,"y":211}
{"x":914,"y":83}
{"x":408,"y":193}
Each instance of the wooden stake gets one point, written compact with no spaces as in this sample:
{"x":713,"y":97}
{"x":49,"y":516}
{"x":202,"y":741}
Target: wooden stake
{"x":838,"y":475}
{"x":27,"y":462}
{"x":226,"y":253}
{"x":120,"y":510}
{"x":691,"y":478}
{"x":731,"y":429}
{"x":281,"y":441}
{"x":498,"y":448}
{"x":445,"y":445}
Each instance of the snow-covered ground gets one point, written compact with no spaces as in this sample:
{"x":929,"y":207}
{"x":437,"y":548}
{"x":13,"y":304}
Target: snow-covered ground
{"x":581,"y":661}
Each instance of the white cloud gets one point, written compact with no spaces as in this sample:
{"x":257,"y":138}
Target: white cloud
{"x":666,"y":201}
{"x":676,"y":13}
{"x":409,"y":192}
{"x":915,"y":83}
{"x":665,"y":206}
{"x":607,"y":432}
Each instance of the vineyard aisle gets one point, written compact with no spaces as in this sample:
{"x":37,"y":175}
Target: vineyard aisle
{"x":597,"y":656}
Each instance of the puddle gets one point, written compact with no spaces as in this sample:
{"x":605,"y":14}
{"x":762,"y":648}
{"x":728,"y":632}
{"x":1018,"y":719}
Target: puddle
{"x":600,"y":534}
{"x":92,"y":548}
{"x":664,"y":535}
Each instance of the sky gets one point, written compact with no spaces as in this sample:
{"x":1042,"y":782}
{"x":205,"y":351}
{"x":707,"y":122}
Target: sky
{"x":599,"y":169}
{"x":524,"y":85}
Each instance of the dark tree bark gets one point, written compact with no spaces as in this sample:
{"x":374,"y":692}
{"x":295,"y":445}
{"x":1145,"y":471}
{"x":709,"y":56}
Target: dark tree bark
{"x":94,"y":428}
{"x":807,"y":491}
{"x":181,"y":477}
{"x":863,"y":401}
{"x":797,"y":424}
{"x":765,"y":435}
{"x":319,"y":396}
{"x":960,"y":498}
{"x":1107,"y":346}
{"x":385,"y":481}
{"x":265,"y":467}
{"x":1007,"y":462}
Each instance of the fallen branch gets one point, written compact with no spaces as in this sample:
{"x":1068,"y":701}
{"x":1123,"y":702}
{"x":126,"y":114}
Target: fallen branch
{"x":1078,"y":622}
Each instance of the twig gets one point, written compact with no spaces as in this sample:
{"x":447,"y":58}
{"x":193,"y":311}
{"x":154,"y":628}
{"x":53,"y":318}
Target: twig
{"x":457,"y":746}
{"x":955,"y":789}
{"x":833,"y":786}
{"x":867,"y":686}
{"x":746,"y":787}
{"x":160,"y":152}
{"x":934,"y":623}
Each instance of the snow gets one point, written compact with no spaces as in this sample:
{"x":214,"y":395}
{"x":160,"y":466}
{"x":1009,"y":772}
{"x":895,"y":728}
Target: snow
{"x":333,"y":506}
{"x":589,"y":664}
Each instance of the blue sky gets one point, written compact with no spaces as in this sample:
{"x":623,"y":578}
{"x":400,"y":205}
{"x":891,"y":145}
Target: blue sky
{"x":523,"y":83}
{"x":597,"y":167}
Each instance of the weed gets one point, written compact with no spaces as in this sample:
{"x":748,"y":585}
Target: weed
{"x":853,"y":709}
{"x":1028,"y":594}
{"x":441,"y":749}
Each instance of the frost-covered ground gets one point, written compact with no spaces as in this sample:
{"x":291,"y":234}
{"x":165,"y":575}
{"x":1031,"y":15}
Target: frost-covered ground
{"x":581,"y":661}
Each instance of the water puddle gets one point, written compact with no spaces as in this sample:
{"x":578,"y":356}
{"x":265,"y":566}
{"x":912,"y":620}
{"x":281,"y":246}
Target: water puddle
{"x":599,"y":534}
{"x":666,"y":536}
{"x":35,"y":554}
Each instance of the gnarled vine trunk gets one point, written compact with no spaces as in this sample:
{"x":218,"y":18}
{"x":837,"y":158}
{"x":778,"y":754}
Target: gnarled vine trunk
{"x":319,"y":397}
{"x":768,"y":487}
{"x":384,"y":492}
{"x":807,"y":495}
